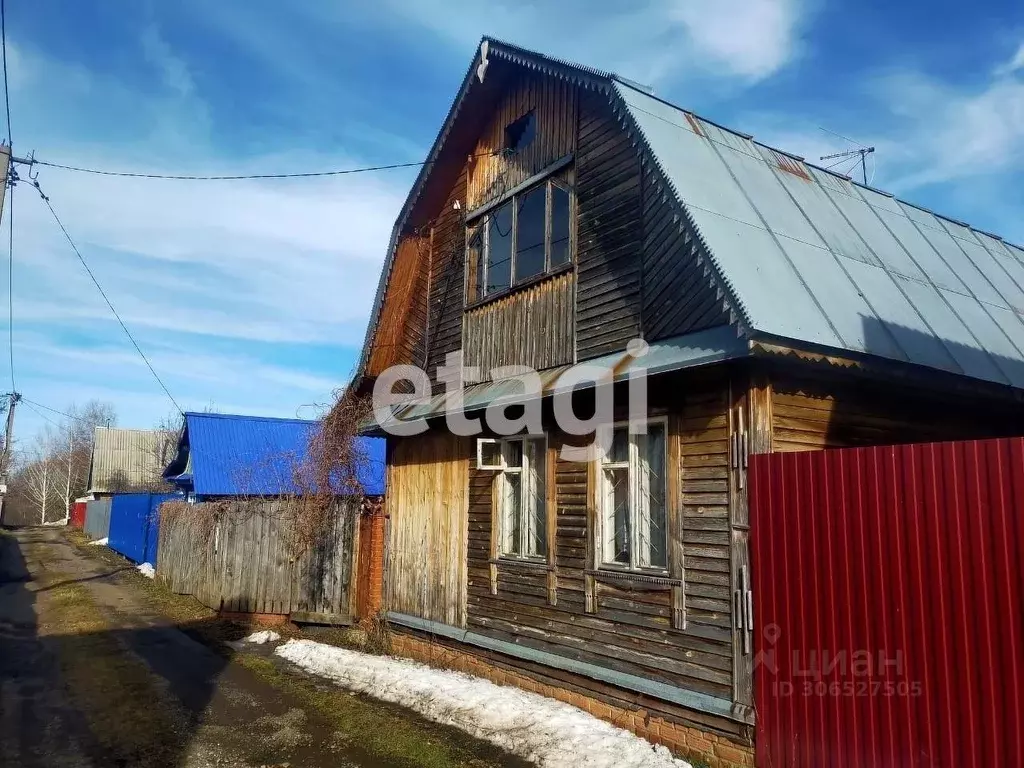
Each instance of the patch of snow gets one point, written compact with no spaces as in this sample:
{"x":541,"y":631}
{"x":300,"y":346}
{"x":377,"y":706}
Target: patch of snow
{"x":98,"y":543}
{"x":56,"y":523}
{"x":266,"y":636}
{"x":147,"y":570}
{"x":533,"y":727}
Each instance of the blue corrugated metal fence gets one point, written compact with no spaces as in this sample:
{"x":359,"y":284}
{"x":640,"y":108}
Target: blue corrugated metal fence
{"x":134,"y":525}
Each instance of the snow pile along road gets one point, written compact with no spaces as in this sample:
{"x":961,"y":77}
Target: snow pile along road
{"x":536,"y":728}
{"x":264,"y":636}
{"x":147,"y":570}
{"x":98,"y":543}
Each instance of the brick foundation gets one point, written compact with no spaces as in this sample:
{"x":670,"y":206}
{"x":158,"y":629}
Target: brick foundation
{"x":702,"y":747}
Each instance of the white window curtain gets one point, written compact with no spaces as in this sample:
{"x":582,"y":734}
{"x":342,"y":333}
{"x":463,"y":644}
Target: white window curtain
{"x":634,"y":523}
{"x":523,"y":498}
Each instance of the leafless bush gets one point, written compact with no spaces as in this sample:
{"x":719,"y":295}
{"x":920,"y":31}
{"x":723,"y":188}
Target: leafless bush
{"x":378,"y":633}
{"x":332,"y":470}
{"x":195,"y":523}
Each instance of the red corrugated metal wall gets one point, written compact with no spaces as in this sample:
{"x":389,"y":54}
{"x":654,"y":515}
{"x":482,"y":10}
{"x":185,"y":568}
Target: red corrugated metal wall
{"x":78,"y":514}
{"x":889,"y":605}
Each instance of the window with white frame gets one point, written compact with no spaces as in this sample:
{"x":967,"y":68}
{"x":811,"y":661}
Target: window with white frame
{"x":633,"y":522}
{"x":521,"y":514}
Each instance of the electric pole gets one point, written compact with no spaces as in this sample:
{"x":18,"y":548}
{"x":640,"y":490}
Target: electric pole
{"x":10,"y":176}
{"x":5,"y":457}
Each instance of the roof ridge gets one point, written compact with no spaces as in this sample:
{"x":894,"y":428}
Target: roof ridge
{"x":245,"y":417}
{"x":126,"y":429}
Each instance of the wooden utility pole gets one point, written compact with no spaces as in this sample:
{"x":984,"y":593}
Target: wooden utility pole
{"x":5,"y":456}
{"x":10,"y":177}
{"x":5,"y":169}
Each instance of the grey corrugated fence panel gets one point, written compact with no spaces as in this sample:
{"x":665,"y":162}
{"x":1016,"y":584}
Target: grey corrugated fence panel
{"x":247,"y":565}
{"x":97,"y":518}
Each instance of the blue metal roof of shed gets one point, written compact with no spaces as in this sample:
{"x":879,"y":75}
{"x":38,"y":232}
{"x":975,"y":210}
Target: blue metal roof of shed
{"x":255,"y":456}
{"x":812,"y":256}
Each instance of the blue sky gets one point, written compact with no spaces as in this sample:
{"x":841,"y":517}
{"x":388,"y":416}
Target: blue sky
{"x":253,"y":296}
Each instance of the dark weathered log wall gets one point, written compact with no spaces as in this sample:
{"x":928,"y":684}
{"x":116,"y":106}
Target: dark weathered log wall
{"x":532,"y":327}
{"x":568,"y":608}
{"x":809,"y":413}
{"x":678,"y":294}
{"x":554,"y":105}
{"x":609,"y":231}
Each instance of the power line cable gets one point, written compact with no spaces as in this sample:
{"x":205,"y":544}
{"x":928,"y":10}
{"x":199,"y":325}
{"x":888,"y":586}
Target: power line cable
{"x":39,"y":413}
{"x":241,"y":177}
{"x":10,"y":175}
{"x":99,"y":288}
{"x":54,"y":410}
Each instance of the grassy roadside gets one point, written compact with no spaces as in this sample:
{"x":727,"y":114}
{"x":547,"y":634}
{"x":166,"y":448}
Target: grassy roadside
{"x":386,"y":733}
{"x":106,"y":684}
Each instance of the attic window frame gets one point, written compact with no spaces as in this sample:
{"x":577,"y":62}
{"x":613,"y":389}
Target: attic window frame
{"x":478,"y":230}
{"x":523,"y":126}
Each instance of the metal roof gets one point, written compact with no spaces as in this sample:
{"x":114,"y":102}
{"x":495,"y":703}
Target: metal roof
{"x":123,"y":459}
{"x":228,"y":455}
{"x":812,"y":256}
{"x":803,"y":253}
{"x":688,"y":351}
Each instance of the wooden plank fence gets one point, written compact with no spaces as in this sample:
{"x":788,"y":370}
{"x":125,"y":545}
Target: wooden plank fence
{"x":246,"y":563}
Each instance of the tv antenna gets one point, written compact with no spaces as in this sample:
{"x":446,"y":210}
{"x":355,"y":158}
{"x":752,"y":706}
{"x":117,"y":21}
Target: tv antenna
{"x":861,"y":150}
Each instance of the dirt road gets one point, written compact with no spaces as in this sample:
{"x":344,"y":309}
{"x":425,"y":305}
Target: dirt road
{"x":92,"y":674}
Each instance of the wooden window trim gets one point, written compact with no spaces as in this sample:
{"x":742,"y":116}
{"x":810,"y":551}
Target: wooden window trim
{"x":621,"y":570}
{"x":535,"y":280}
{"x":541,"y":175}
{"x":499,"y":500}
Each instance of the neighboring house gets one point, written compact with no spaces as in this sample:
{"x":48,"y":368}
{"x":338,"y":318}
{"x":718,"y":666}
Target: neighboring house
{"x":564,"y":211}
{"x":221,"y":455}
{"x":125,"y":460}
{"x":254,"y":558}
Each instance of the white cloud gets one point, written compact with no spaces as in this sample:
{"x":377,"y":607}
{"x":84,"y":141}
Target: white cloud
{"x":1014,"y":64}
{"x":950,"y":133}
{"x":263,"y":259}
{"x":172,"y":68}
{"x":752,"y":39}
{"x":654,"y":42}
{"x":237,"y":291}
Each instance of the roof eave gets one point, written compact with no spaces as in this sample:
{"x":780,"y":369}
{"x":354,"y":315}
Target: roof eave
{"x":529,"y":59}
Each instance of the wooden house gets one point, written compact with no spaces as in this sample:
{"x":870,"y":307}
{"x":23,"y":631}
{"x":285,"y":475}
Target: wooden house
{"x":564,"y":211}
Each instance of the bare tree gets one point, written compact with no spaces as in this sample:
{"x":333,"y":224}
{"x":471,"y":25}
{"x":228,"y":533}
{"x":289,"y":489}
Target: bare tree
{"x":47,"y":479}
{"x":74,"y":446}
{"x":165,"y":447}
{"x":41,"y":476}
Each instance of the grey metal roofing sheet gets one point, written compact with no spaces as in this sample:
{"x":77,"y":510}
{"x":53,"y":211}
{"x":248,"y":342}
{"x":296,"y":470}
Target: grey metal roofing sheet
{"x":814,"y":257}
{"x":688,"y":351}
{"x":125,"y":458}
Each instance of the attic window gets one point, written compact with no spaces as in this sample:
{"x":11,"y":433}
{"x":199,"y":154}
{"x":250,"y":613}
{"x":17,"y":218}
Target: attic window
{"x":520,"y":133}
{"x":525,"y":237}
